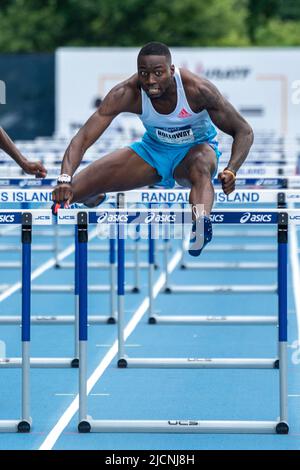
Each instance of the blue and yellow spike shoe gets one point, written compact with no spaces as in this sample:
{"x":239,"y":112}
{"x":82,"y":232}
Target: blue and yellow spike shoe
{"x":201,"y":235}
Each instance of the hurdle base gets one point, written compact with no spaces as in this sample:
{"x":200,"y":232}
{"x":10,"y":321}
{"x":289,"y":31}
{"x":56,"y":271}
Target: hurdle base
{"x":213,"y":320}
{"x":24,"y":426}
{"x":66,"y":288}
{"x":282,"y":427}
{"x":75,"y":363}
{"x":84,"y":427}
{"x":220,"y":289}
{"x":201,"y":363}
{"x":181,"y":426}
{"x":122,"y":363}
{"x":56,"y":319}
{"x":15,"y":425}
{"x":102,"y":265}
{"x":136,"y":290}
{"x":244,"y":265}
{"x":40,"y":362}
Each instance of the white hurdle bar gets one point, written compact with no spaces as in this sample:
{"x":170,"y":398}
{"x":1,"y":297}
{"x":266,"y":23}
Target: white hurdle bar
{"x":158,"y":196}
{"x":88,"y":424}
{"x":243,"y":196}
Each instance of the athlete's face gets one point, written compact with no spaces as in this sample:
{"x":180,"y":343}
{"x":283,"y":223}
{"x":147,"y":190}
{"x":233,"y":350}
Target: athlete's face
{"x":155,"y":74}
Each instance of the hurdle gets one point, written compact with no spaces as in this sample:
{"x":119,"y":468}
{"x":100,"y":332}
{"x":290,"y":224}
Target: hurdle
{"x":11,"y":196}
{"x":268,"y":171}
{"x":22,"y":425}
{"x":42,"y":195}
{"x":38,"y":217}
{"x":239,"y":197}
{"x":87,"y":424}
{"x":271,"y":196}
{"x":232,"y":217}
{"x":62,"y":362}
{"x":44,"y":217}
{"x":45,"y":196}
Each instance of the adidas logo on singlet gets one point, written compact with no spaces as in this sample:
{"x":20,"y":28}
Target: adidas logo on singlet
{"x":184,"y":114}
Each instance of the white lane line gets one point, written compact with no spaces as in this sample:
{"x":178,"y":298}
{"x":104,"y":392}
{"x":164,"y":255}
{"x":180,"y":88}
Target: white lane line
{"x":110,"y":345}
{"x":64,"y":394}
{"x":293,"y":395}
{"x":41,"y":269}
{"x":99,"y":394}
{"x":64,"y":420}
{"x":295,"y":273}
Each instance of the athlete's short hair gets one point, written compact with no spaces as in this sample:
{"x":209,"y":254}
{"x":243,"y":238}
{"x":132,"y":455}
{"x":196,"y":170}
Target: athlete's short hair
{"x":156,"y":48}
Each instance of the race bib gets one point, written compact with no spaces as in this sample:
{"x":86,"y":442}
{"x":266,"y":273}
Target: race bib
{"x":177,"y":135}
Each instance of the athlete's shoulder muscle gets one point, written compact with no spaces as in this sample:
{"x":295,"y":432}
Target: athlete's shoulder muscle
{"x":200,"y":91}
{"x":203,"y":94}
{"x":124,"y":97}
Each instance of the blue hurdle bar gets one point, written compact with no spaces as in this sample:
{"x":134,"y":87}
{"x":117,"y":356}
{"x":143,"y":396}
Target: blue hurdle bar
{"x":24,"y":425}
{"x":283,"y":427}
{"x":82,"y":239}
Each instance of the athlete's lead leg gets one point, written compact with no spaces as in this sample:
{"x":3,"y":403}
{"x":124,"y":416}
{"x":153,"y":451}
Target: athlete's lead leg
{"x":121,"y":170}
{"x":196,"y":171}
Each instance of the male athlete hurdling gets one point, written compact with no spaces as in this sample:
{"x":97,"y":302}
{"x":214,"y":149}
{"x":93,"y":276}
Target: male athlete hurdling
{"x":178,"y":110}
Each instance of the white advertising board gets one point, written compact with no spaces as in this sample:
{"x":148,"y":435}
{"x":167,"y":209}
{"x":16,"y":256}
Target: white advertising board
{"x":262,"y":83}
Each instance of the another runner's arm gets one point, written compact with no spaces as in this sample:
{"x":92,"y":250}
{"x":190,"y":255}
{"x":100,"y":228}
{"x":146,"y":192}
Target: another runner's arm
{"x":228,"y":120}
{"x":118,"y":100}
{"x":32,"y":168}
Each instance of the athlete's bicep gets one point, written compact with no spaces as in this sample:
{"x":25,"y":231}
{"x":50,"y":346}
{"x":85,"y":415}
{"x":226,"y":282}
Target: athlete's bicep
{"x":93,"y":129}
{"x":226,"y":117}
{"x":222,"y":113}
{"x":117,"y":101}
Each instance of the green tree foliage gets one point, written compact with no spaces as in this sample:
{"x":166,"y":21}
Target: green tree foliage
{"x":29,"y":25}
{"x":279,"y":33}
{"x":289,"y":9}
{"x":36,"y":25}
{"x":44,"y":25}
{"x":259,"y":12}
{"x":274,"y":22}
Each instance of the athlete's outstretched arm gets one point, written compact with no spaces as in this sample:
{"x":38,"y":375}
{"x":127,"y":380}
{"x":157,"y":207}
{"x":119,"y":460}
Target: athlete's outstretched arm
{"x":118,"y":100}
{"x":230,"y":121}
{"x":32,"y":168}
